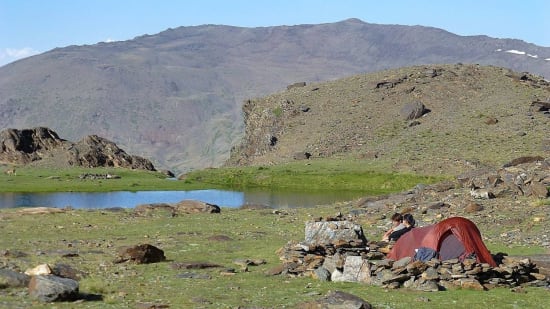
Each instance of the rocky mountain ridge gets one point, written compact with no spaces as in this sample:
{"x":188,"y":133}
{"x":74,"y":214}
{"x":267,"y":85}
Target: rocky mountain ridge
{"x":175,"y":97}
{"x":42,"y":147}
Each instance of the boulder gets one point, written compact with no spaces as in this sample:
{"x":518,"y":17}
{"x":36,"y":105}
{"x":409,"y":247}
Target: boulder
{"x":67,"y":271}
{"x":192,"y":206}
{"x":140,"y":254}
{"x":356,"y":269}
{"x":331,"y":232}
{"x":13,"y":279}
{"x":49,"y":288}
{"x":537,"y":189}
{"x":412,"y":111}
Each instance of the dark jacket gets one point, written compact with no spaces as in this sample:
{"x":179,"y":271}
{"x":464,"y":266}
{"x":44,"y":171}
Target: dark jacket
{"x":395,"y":235}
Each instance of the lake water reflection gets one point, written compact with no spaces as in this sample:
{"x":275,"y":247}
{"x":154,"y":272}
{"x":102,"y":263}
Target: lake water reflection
{"x":127,"y":199}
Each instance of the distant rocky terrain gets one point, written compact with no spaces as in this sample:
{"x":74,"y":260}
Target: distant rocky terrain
{"x":43,"y":147}
{"x":175,"y":97}
{"x":436,"y":119}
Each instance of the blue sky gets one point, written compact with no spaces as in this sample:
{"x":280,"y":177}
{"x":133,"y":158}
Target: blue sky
{"x":33,"y":26}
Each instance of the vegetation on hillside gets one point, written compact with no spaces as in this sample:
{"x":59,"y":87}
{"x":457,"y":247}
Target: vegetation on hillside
{"x":474,"y":116}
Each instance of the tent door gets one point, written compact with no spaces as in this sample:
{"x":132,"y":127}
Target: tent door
{"x":451,"y":248}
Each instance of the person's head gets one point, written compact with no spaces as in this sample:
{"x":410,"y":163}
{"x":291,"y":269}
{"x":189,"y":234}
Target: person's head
{"x":408,"y":220}
{"x":396,"y":219}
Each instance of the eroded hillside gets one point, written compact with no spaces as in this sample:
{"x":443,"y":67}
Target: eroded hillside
{"x":470,"y":115}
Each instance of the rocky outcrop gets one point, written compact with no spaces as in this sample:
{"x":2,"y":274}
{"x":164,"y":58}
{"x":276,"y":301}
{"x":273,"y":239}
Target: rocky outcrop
{"x":424,"y":119}
{"x":94,"y":151}
{"x":182,"y":207}
{"x":42,"y":146}
{"x":524,"y":176}
{"x":27,"y":145}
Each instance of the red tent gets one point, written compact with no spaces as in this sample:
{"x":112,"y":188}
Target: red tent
{"x":451,"y":238}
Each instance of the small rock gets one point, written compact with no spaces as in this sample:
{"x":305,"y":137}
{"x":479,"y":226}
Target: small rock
{"x":42,"y":269}
{"x":473,"y":207}
{"x":277,"y":270}
{"x":402,"y":262}
{"x":322,"y":274}
{"x":470,"y":283}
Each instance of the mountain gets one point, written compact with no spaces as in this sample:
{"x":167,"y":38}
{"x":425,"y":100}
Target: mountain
{"x":175,"y":97}
{"x":436,"y":119}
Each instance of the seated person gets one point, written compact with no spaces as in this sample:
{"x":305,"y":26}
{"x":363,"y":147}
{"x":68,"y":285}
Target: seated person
{"x":397,"y":224}
{"x":409,"y":223}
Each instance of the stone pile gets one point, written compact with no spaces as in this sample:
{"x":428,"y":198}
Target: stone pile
{"x":436,"y":275}
{"x":323,"y":238}
{"x":523,"y":176}
{"x":338,"y":251}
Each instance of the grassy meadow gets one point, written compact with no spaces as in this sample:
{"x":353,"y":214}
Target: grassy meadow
{"x":88,"y":241}
{"x":313,"y":176}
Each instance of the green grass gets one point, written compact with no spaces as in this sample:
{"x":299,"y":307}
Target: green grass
{"x":96,"y":236}
{"x":65,"y":180}
{"x":321,"y":175}
{"x":314,"y":176}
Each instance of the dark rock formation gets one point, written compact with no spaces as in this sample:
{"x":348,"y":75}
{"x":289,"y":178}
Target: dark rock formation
{"x":42,"y":146}
{"x":27,"y":145}
{"x":94,"y":151}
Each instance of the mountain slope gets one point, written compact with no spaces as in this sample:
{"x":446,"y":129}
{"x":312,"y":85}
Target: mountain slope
{"x":468,"y":116}
{"x":176,"y":97}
